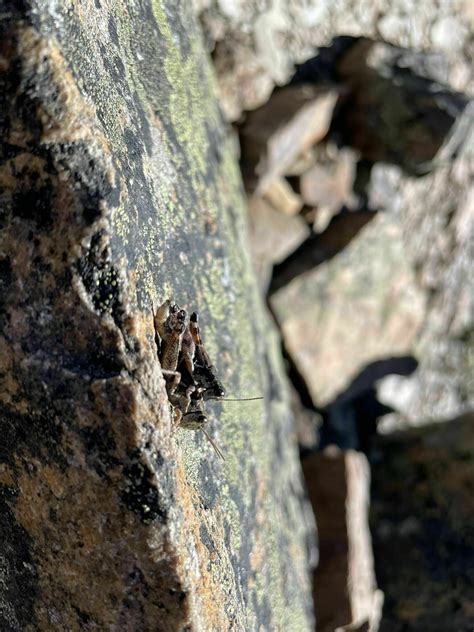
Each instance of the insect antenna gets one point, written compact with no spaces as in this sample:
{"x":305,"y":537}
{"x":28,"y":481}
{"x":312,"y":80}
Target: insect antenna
{"x":217,"y":450}
{"x":231,"y":399}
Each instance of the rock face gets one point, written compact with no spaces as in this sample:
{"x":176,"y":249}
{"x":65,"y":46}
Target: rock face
{"x":119,"y":187}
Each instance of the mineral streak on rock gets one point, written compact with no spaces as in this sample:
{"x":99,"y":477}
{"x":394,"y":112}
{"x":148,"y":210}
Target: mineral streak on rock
{"x":118,"y":185}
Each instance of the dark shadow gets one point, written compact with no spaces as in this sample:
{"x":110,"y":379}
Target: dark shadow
{"x":322,"y":68}
{"x":396,"y":365}
{"x":350,"y":421}
{"x":394,"y":106}
{"x":421,"y":524}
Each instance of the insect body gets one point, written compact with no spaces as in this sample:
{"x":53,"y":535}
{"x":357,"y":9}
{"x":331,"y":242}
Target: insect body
{"x":204,"y":371}
{"x":190,"y":376}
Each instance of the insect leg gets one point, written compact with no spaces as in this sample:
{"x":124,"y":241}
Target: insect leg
{"x":173,"y":378}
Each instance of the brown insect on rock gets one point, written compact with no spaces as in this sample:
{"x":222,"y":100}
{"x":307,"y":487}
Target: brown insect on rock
{"x":190,"y":376}
{"x":186,"y":368}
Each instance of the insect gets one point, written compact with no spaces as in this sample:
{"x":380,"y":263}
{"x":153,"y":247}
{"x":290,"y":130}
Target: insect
{"x":190,"y":376}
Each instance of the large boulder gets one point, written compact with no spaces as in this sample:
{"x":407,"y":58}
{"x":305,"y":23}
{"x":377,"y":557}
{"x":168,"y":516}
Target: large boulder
{"x":119,"y":188}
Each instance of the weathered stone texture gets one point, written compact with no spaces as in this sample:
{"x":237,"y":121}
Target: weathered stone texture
{"x":256,"y":45}
{"x":352,"y":310}
{"x":119,"y":186}
{"x":436,"y":215}
{"x":345,"y":589}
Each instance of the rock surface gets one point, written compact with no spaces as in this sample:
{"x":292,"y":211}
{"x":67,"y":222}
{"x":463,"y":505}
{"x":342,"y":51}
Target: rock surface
{"x":345,"y":588}
{"x":436,"y":215}
{"x":328,"y":185}
{"x":257,"y":44}
{"x":119,"y":186}
{"x":358,"y":307}
{"x":273,"y":235}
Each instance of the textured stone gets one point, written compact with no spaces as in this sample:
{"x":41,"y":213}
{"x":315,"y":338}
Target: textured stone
{"x":437,"y":220}
{"x":448,"y":33}
{"x":282,"y":197}
{"x":275,"y":135}
{"x":257,"y":44}
{"x":360,"y":306}
{"x":328,"y":185}
{"x":119,"y":186}
{"x":320,"y":247}
{"x":273,"y":236}
{"x":345,"y":589}
{"x":421,"y":520}
{"x":302,"y":163}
